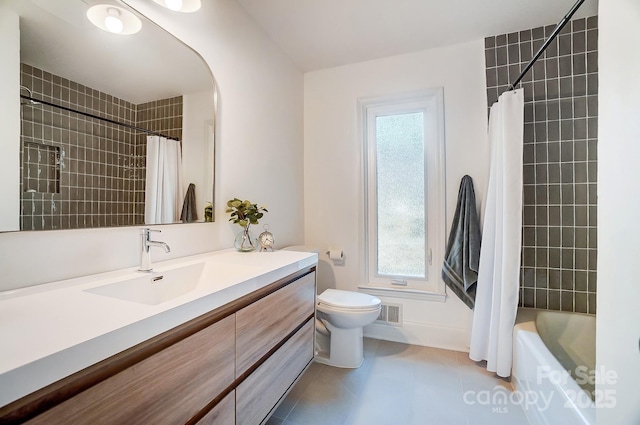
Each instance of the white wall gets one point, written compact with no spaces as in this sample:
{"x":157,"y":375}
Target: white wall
{"x":333,"y":178}
{"x":258,"y":155}
{"x":618,"y":319}
{"x":197,"y":146}
{"x":10,"y":120}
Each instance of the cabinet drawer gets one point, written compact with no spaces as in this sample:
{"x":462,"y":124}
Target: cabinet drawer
{"x":223,"y":414}
{"x":263,"y":324}
{"x":260,"y":392}
{"x":168,"y":387}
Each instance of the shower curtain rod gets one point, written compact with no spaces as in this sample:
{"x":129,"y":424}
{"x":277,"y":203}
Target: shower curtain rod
{"x":553,"y":35}
{"x":86,"y":114}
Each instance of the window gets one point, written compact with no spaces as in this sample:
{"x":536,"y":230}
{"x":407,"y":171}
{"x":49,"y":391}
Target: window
{"x":404,"y":192}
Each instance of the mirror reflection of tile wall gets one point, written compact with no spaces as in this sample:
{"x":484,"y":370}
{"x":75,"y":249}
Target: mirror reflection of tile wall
{"x":80,"y":172}
{"x":559,"y":254}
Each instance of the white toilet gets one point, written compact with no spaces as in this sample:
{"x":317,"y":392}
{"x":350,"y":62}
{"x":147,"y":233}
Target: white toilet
{"x":344,"y":313}
{"x":340,"y":318}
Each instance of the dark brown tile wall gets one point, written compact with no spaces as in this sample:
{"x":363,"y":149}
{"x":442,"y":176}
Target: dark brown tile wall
{"x":95,"y":163}
{"x":559,"y":254}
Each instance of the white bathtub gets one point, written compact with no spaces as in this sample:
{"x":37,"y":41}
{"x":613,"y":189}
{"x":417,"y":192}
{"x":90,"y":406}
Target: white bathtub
{"x":549,"y":347}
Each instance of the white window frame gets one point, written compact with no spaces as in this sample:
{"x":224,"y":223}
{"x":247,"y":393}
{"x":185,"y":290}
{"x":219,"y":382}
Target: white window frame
{"x":431,"y":103}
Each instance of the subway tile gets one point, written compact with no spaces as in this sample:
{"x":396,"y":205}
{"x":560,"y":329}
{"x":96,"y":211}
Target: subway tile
{"x":513,"y":53}
{"x":529,"y":197}
{"x":541,"y":172}
{"x":592,"y":106}
{"x":554,"y":176}
{"x":554,"y":300}
{"x":555,"y":238}
{"x":541,"y":298}
{"x":501,"y":56}
{"x":553,"y":132}
{"x":592,"y":128}
{"x":554,"y":216}
{"x":566,"y":87}
{"x":581,"y":234}
{"x":526,"y":51}
{"x":564,"y":44}
{"x":554,"y":278}
{"x":580,"y":107}
{"x":540,"y":111}
{"x":539,"y":90}
{"x":579,"y":42}
{"x":528,"y":279}
{"x":566,"y":300}
{"x":537,"y":33}
{"x":581,"y":196}
{"x":553,"y":88}
{"x":592,"y":281}
{"x":528,"y":297}
{"x":553,"y":146}
{"x":566,"y":128}
{"x":542,"y":215}
{"x":541,"y":194}
{"x":542,"y":236}
{"x":542,"y":255}
{"x":568,"y":283}
{"x":592,"y":62}
{"x":592,"y":171}
{"x":581,"y":302}
{"x":591,"y":299}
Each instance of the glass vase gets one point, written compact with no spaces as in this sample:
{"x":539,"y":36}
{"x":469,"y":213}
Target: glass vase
{"x":245,"y":240}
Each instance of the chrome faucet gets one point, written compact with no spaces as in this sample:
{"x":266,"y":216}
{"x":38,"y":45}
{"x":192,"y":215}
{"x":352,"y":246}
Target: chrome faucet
{"x":145,"y":247}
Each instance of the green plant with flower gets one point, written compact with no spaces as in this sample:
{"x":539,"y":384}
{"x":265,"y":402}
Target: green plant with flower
{"x":244,"y":212}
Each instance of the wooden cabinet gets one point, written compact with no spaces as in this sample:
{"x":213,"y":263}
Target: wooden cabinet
{"x":169,"y":387}
{"x":231,"y":365}
{"x":261,"y":391}
{"x":223,"y":414}
{"x":262,"y":325}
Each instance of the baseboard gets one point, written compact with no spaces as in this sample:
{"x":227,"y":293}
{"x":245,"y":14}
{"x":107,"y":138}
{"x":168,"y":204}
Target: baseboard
{"x":423,"y":334}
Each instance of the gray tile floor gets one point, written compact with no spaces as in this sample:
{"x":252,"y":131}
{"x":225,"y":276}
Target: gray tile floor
{"x":400,"y":384}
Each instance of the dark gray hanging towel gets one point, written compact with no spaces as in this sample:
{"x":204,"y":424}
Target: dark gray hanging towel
{"x":189,"y":209}
{"x":462,"y":256}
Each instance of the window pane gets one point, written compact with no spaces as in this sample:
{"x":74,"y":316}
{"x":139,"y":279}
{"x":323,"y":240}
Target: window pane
{"x":400,"y":195}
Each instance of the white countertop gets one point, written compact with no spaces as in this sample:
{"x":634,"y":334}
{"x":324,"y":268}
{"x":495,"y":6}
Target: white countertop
{"x":52,"y":330}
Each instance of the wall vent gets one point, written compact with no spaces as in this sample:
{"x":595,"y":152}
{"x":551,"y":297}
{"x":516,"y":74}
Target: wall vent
{"x":390,"y":314}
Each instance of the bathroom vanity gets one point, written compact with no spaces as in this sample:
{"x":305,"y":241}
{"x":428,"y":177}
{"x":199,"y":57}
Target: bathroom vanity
{"x":225,"y":351}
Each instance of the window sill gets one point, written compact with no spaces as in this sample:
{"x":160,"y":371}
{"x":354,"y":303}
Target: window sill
{"x":409,"y":293}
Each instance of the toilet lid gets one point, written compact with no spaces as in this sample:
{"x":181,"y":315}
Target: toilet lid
{"x":348,"y":300}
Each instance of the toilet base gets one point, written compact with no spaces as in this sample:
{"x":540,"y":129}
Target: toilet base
{"x":345,"y":349}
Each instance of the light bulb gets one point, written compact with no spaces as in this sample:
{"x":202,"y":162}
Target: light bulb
{"x":112,"y":21}
{"x":173,"y":4}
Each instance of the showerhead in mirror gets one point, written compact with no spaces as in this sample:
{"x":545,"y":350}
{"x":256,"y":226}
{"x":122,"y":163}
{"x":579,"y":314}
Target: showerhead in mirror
{"x":27,"y":100}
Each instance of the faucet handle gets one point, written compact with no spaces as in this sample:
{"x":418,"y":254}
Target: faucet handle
{"x":146,"y":232}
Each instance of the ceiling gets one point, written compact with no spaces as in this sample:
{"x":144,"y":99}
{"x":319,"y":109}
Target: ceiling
{"x":56,"y":36}
{"x":321,"y":34}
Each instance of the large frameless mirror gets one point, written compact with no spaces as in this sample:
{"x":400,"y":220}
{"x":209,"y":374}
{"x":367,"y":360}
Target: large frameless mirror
{"x":115,"y":130}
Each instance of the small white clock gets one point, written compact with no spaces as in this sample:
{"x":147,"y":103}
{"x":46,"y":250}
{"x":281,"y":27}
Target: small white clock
{"x":266,"y":239}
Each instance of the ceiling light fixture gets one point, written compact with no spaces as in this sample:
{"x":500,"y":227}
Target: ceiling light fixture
{"x":114,"y":19}
{"x":186,"y":6}
{"x":173,"y":4}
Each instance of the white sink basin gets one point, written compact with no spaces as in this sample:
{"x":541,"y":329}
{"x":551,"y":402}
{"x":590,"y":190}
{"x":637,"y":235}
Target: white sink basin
{"x":154,"y":287}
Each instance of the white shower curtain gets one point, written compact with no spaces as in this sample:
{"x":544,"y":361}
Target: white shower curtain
{"x":498,"y":275}
{"x":163,"y":191}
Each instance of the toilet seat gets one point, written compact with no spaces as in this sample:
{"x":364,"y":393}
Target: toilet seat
{"x":338,"y":300}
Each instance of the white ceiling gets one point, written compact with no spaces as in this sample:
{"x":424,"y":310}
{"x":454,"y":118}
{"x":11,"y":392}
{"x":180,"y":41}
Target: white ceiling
{"x":56,"y":36}
{"x":321,"y":34}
